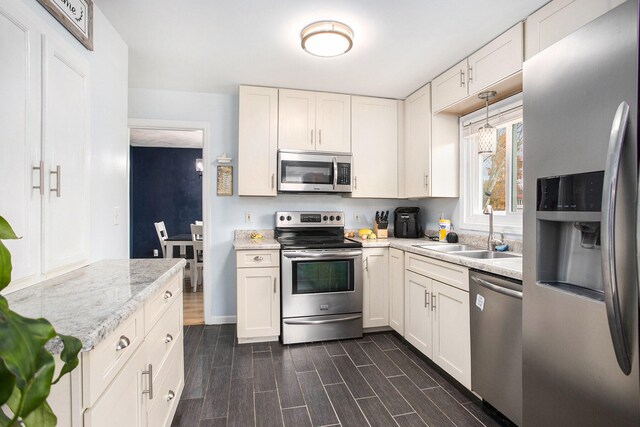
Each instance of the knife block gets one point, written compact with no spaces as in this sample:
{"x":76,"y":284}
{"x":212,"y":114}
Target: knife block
{"x":381,"y":233}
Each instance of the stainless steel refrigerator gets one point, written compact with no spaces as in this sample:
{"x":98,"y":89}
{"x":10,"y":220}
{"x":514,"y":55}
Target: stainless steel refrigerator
{"x":580,"y":305}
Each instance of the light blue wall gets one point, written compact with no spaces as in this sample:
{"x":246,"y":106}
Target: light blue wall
{"x":227,"y":213}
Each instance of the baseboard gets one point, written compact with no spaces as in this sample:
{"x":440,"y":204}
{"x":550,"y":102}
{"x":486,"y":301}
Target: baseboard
{"x":220,"y":320}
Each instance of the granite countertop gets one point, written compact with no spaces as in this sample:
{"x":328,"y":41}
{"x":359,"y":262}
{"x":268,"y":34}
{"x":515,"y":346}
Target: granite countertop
{"x":508,"y":267}
{"x":91,"y":302}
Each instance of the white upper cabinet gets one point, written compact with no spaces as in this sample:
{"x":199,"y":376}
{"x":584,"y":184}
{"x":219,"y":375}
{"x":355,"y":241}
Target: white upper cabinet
{"x":333,"y":122}
{"x":314,"y":121}
{"x":560,"y":18}
{"x":66,"y":154}
{"x":487,"y":67}
{"x":375,"y":147}
{"x":257,"y":141}
{"x":497,"y":60}
{"x":417,"y":144}
{"x":450,"y":86}
{"x":20,"y":141}
{"x":375,"y":310}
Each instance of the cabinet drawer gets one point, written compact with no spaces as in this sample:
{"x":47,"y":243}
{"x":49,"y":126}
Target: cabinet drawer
{"x":258,"y":258}
{"x":164,"y":336}
{"x":155,"y":307}
{"x":167,"y":388}
{"x":442,"y":271}
{"x":102,"y":364}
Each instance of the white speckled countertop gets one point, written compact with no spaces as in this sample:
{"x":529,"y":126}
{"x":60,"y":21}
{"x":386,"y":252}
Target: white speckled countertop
{"x":507,"y":267}
{"x":92,"y":301}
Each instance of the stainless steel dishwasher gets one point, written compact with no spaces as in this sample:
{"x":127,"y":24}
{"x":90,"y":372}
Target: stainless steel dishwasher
{"x":496,"y":342}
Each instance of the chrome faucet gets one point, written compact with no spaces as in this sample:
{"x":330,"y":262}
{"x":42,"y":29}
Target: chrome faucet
{"x":492,"y":242}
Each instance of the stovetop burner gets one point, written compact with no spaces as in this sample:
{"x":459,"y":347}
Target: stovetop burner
{"x":317,"y":242}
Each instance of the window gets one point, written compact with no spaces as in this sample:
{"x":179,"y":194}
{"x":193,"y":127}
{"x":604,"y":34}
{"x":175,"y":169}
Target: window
{"x":495,"y":179}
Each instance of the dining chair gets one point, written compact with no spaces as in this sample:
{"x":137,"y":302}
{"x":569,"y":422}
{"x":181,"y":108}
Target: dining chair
{"x":197,"y":263}
{"x":198,"y":222}
{"x":162,"y":236}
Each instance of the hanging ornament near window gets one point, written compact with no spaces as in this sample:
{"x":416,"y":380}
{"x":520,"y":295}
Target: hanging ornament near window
{"x":487,"y":135}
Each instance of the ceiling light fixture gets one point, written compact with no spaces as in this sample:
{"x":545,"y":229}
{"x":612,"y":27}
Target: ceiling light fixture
{"x":487,"y":136}
{"x":327,"y":38}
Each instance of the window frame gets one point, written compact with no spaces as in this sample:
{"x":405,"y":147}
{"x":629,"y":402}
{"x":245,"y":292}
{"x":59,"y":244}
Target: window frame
{"x":471,"y":183}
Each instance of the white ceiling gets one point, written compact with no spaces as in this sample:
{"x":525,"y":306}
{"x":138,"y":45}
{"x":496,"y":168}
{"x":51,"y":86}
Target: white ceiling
{"x":166,"y":138}
{"x":214,"y":45}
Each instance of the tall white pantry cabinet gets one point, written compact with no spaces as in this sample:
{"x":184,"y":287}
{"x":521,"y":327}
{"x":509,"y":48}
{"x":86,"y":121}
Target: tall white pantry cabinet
{"x":44,"y":147}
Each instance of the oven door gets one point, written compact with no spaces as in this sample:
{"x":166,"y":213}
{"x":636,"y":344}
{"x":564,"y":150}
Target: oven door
{"x":321,"y":282}
{"x":307,"y":172}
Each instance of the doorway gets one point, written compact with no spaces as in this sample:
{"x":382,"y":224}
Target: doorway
{"x":167,"y":207}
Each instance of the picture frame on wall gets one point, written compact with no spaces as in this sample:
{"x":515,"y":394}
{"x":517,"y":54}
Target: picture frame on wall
{"x":75,"y":15}
{"x":225,"y":181}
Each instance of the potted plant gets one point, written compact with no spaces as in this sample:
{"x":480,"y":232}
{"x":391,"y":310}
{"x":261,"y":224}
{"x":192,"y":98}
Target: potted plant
{"x":27,"y":368}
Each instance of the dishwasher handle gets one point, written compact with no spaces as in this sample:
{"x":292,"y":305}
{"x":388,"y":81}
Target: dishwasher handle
{"x":496,"y":288}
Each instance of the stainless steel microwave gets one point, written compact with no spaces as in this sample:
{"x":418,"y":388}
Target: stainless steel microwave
{"x":314,"y":172}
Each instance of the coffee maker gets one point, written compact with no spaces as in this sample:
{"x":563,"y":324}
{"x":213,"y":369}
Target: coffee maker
{"x":407,"y":223}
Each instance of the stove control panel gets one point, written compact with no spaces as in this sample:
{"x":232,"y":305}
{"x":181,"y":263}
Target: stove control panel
{"x":310,"y":219}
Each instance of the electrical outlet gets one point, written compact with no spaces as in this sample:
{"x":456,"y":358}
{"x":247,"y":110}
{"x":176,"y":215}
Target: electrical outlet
{"x":248,"y":217}
{"x":116,"y":215}
{"x":356,"y":216}
{"x":155,"y":252}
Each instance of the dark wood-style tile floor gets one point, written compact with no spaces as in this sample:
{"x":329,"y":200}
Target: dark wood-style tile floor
{"x":376,"y":380}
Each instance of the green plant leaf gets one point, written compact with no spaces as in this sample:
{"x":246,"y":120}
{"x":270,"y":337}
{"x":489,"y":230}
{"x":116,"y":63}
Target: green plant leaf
{"x":21,"y":342}
{"x":7,"y":382}
{"x":6,"y":232}
{"x":5,"y":266}
{"x":42,"y":416}
{"x":37,"y":389}
{"x":69,"y":355}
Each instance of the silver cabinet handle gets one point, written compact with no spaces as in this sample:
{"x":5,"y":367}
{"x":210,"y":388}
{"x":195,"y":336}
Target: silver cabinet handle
{"x":150,"y":373}
{"x":426,"y":298}
{"x":433,"y":301}
{"x":168,"y":338}
{"x":123,"y":343}
{"x":275,"y":282}
{"x":320,"y":136}
{"x":57,"y":173}
{"x":608,"y":240}
{"x":355,"y":182}
{"x":168,"y":295}
{"x":40,"y":169}
{"x":311,"y":136}
{"x":170,"y":395}
{"x":257,"y":258}
{"x":426,"y":180}
{"x":273,"y":180}
{"x":470,"y":74}
{"x":366,"y":264}
{"x":461,"y":78}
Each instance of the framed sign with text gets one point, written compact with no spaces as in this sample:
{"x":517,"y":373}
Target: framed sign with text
{"x":225,"y":181}
{"x":75,"y":15}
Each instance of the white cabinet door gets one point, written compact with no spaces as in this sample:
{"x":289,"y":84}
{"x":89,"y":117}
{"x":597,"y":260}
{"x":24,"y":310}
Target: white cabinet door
{"x":498,"y":59}
{"x":417,"y":143}
{"x":258,"y":141}
{"x":451,"y":331}
{"x":376,"y":287}
{"x":296,"y":120}
{"x":333,"y":122}
{"x":375,"y":147}
{"x":445,"y":156}
{"x":450,"y":86}
{"x":417,"y":312}
{"x":258,"y":302}
{"x":558,"y":19}
{"x":20,"y":141}
{"x":122,"y":404}
{"x":66,"y":152}
{"x":396,"y":290}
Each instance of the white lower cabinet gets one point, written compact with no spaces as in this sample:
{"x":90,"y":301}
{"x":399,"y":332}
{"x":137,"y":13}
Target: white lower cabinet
{"x":437,"y":313}
{"x":258,"y":298}
{"x":375,"y":309}
{"x":135,"y":376}
{"x":396,"y":290}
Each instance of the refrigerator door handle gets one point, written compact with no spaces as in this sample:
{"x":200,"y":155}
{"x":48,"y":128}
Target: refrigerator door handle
{"x":609,"y":276}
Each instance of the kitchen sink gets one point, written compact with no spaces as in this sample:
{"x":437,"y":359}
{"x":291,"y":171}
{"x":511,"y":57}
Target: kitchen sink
{"x":446,"y":248}
{"x":484,"y":254}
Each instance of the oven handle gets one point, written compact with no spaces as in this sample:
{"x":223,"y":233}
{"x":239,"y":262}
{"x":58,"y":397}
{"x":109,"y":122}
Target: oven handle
{"x":332,"y":255}
{"x":321,"y":322}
